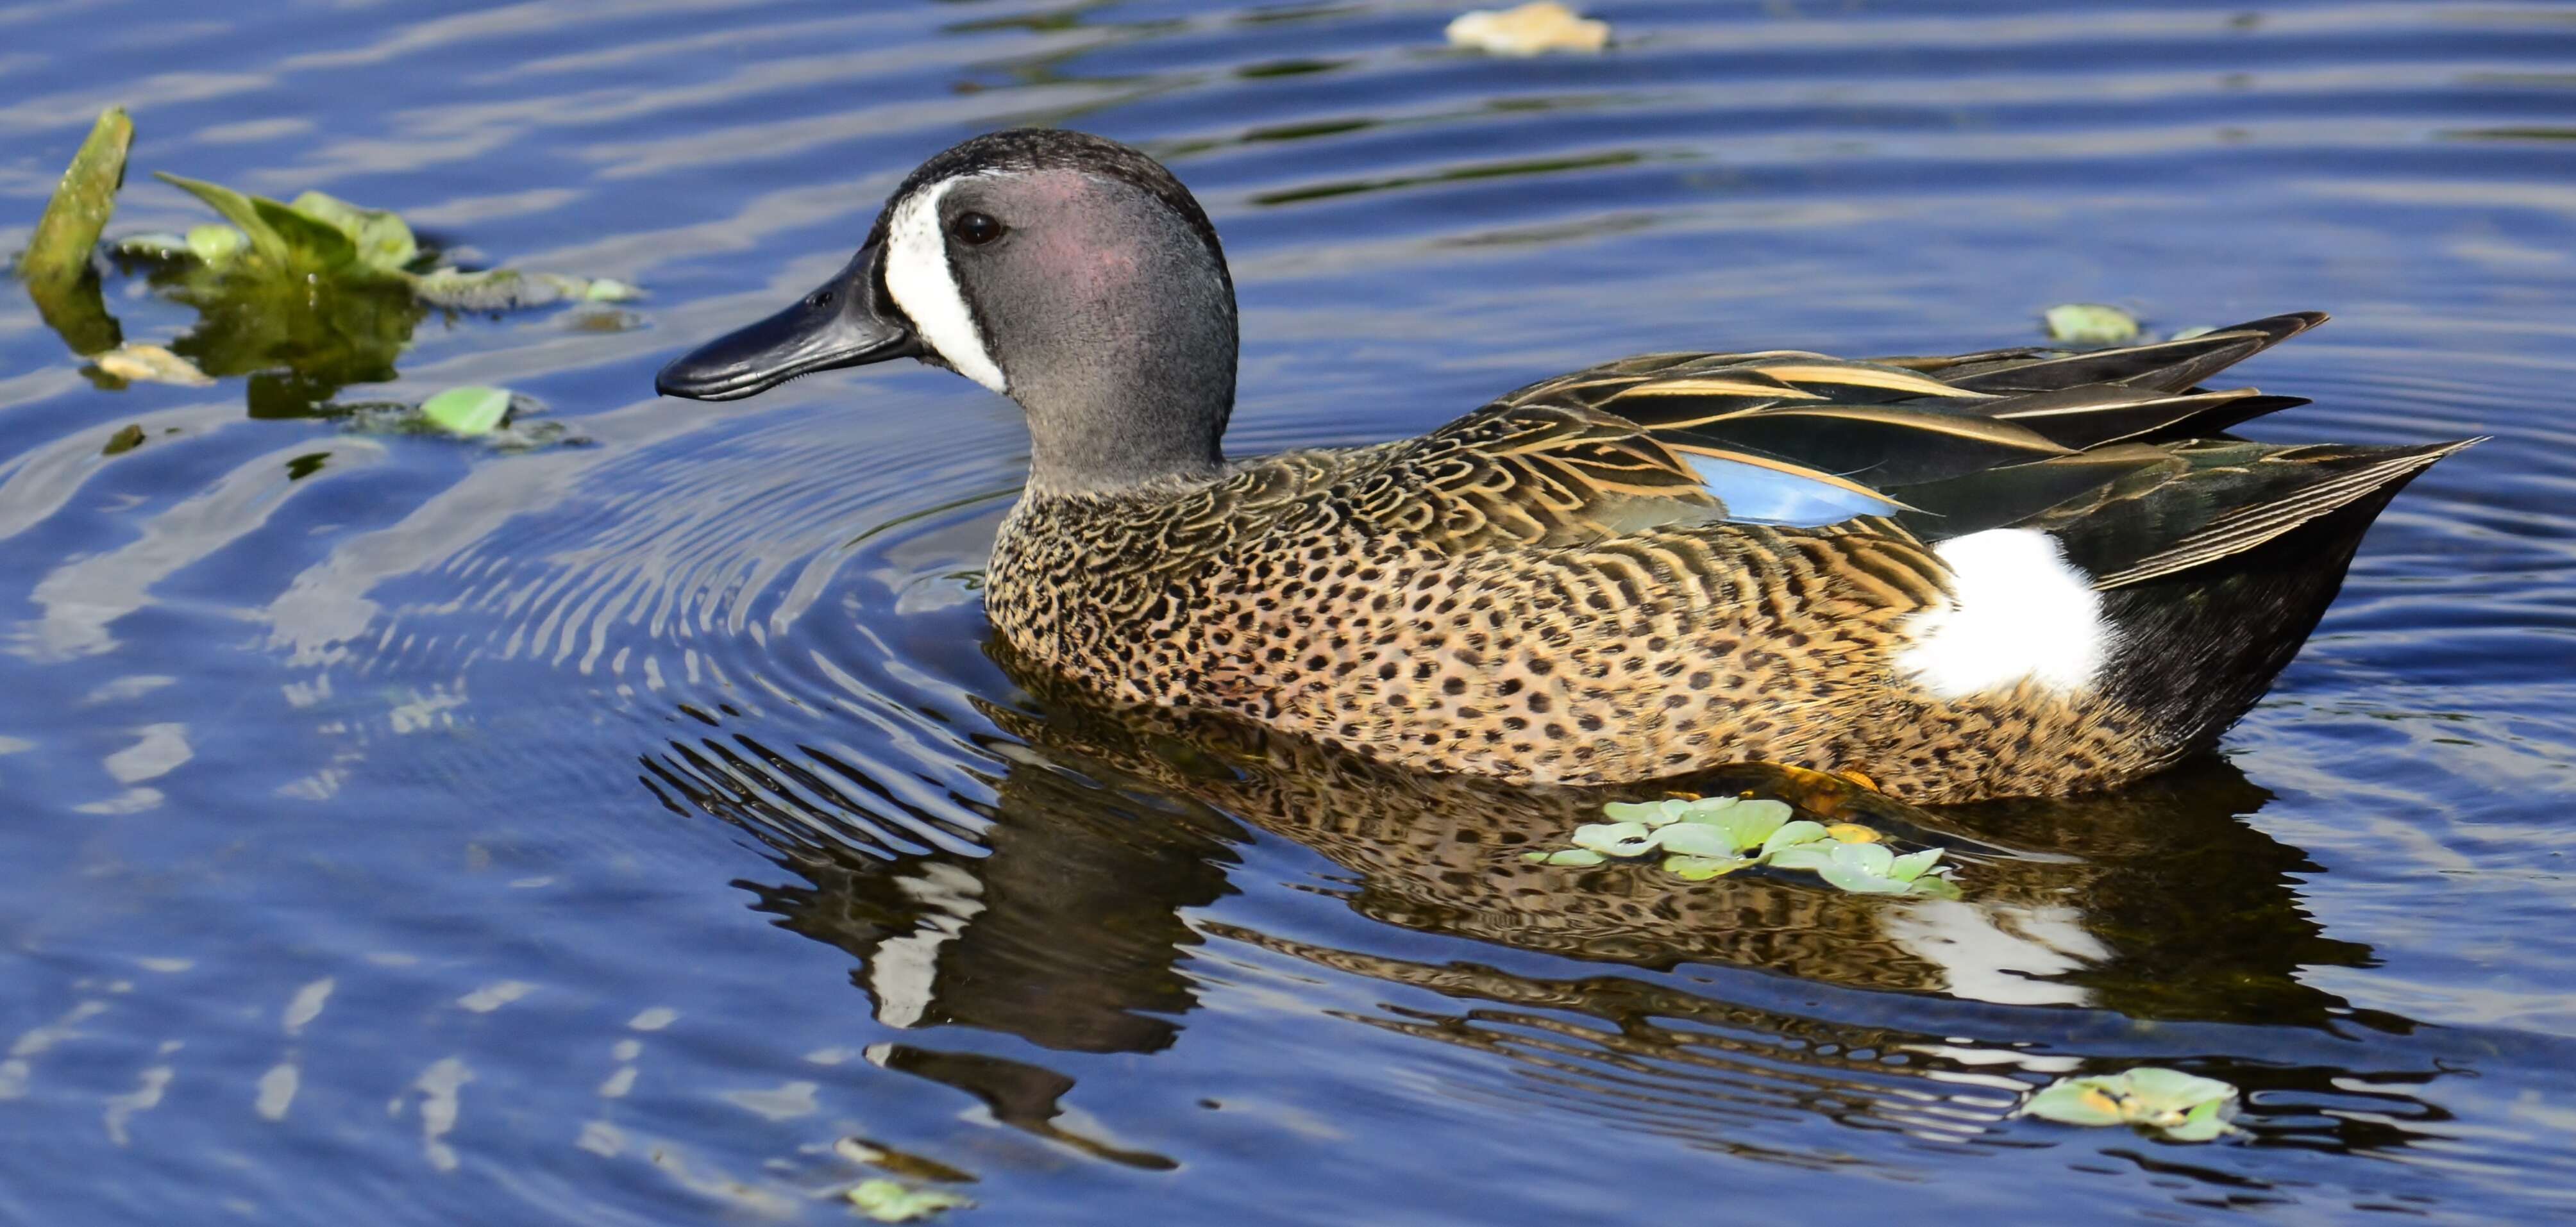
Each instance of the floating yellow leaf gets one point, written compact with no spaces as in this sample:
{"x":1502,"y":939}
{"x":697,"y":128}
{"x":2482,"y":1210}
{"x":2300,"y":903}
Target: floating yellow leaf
{"x":145,"y":363}
{"x":1531,"y":29}
{"x":1852,"y":833}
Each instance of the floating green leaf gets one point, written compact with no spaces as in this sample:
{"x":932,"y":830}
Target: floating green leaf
{"x":1698,"y":839}
{"x":215,"y":242}
{"x":887,"y":1201}
{"x":467,"y":411}
{"x":2085,"y":323}
{"x":1568,"y":856}
{"x":2181,"y":1107}
{"x":1793,"y":835}
{"x":58,"y":252}
{"x":383,"y":241}
{"x":1651,"y":813}
{"x":1615,"y":838}
{"x":1702,"y":868}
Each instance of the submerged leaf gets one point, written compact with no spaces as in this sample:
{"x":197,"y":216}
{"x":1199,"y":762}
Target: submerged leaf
{"x":467,"y":411}
{"x":59,"y":250}
{"x":889,"y":1202}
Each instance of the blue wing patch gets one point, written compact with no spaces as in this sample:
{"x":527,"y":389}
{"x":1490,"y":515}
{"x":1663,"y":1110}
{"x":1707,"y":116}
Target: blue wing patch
{"x":1757,"y":495}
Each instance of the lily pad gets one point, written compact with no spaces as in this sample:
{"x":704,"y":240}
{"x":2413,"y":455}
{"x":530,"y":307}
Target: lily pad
{"x":467,"y":411}
{"x":2086,"y":323}
{"x":2179,"y":1106}
{"x":888,"y":1201}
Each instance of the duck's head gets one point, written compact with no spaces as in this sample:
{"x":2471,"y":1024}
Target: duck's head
{"x":1067,"y":272}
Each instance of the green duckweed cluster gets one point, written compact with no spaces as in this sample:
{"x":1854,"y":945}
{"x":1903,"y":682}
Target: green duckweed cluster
{"x":1702,"y":838}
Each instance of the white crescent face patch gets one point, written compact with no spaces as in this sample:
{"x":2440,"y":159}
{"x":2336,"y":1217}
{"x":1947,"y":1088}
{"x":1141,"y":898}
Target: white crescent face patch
{"x":919,"y":277}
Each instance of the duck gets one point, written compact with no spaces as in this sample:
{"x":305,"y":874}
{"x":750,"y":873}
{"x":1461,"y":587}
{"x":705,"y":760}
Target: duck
{"x":2017,"y":572}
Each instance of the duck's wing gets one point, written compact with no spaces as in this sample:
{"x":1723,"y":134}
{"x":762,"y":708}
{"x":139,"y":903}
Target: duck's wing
{"x":2107,"y":450}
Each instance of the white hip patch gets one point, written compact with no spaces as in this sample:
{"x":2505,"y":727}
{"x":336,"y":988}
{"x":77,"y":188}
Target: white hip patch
{"x":2017,"y":610}
{"x":918,"y":275}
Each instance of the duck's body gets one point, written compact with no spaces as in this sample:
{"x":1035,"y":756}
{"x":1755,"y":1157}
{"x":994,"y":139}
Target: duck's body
{"x":2007,"y":573}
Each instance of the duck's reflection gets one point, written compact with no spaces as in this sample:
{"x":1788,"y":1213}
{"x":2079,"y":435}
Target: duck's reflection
{"x":1073,"y":931}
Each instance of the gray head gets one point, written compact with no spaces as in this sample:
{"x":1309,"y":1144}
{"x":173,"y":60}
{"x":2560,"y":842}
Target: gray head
{"x":1067,"y":272}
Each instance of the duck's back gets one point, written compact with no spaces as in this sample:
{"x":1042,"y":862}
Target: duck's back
{"x":2004,"y":573}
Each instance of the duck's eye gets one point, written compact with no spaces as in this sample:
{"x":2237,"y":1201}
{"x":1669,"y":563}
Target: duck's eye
{"x":975,"y":229}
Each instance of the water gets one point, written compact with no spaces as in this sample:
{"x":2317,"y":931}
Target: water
{"x":406,"y":830}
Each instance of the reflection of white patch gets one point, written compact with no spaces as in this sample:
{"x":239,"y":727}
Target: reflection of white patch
{"x":2017,"y":609}
{"x":925,"y":286}
{"x":2006,"y":955}
{"x":906,"y":969}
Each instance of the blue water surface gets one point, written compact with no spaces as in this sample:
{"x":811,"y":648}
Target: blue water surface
{"x":637,"y":828}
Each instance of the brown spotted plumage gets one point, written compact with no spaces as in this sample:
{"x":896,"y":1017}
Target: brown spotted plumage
{"x":1641,"y":570}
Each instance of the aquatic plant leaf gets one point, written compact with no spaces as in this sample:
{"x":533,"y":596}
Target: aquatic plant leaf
{"x":382,"y":239}
{"x":2160,"y":1093}
{"x":1698,"y":839}
{"x":2204,"y":1123}
{"x":1651,"y":813}
{"x":1912,"y":865}
{"x":889,"y":1202}
{"x":1615,"y":838}
{"x":1570,"y":856}
{"x":1856,"y":881}
{"x":1792,"y":835}
{"x":1807,"y":856}
{"x":1530,"y":29}
{"x":609,"y":289}
{"x":1702,"y":868}
{"x":2075,"y":1101}
{"x":1933,"y":886}
{"x":2182,"y":1107}
{"x":158,"y":244}
{"x":144,"y":363}
{"x":2085,"y":323}
{"x":1852,"y":833}
{"x":126,"y":439}
{"x":468,"y":411}
{"x":215,"y":242}
{"x":67,"y":234}
{"x":499,"y":289}
{"x":1871,"y":859}
{"x":265,"y":241}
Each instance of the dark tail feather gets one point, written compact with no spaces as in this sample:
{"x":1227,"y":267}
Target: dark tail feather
{"x":2166,"y":366}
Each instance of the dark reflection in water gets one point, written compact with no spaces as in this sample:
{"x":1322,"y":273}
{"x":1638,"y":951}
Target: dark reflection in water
{"x":1075,"y":927}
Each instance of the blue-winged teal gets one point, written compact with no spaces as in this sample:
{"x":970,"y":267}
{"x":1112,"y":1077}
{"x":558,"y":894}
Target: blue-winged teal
{"x":2010,"y":572}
